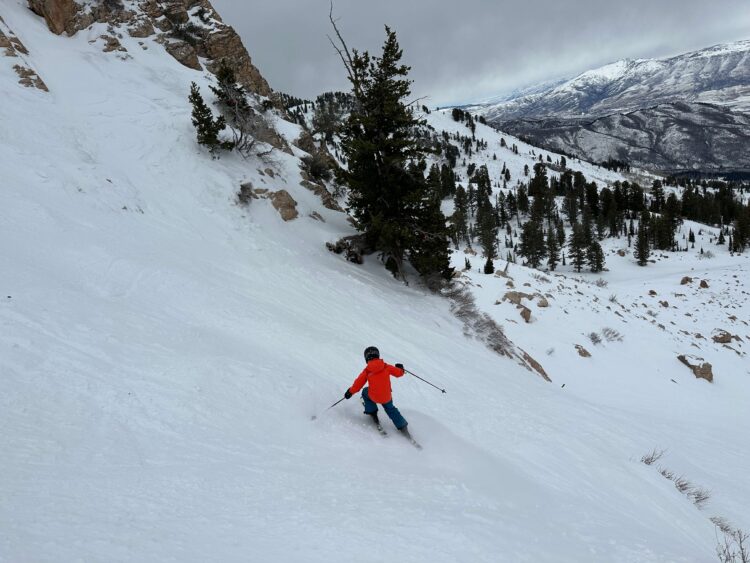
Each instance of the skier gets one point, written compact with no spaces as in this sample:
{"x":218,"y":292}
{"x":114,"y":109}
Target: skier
{"x":378,"y":375}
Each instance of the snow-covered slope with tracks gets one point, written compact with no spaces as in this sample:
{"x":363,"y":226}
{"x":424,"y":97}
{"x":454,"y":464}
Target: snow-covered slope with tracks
{"x":163,"y":350}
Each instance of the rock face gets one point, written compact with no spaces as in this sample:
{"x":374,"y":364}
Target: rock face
{"x":57,"y":13}
{"x":226,"y":45}
{"x":700,"y":368}
{"x":183,"y":39}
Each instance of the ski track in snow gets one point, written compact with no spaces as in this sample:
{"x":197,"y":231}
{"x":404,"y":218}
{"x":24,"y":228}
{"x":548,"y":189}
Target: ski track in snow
{"x":162,"y":352}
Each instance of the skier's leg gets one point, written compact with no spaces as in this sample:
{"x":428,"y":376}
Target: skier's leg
{"x":398,"y":420}
{"x":370,"y":406}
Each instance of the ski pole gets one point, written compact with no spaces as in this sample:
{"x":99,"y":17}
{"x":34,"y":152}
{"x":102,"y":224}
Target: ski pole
{"x":423,"y":379}
{"x":329,"y":408}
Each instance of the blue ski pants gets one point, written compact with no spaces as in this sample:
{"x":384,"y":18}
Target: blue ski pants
{"x":389,"y":408}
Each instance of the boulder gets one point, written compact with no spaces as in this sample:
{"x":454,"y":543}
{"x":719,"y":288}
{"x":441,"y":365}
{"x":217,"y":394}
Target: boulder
{"x":57,"y":13}
{"x":621,"y":253}
{"x":700,"y":368}
{"x":704,"y":284}
{"x":516,"y":296}
{"x":721,"y":337}
{"x":284,"y":204}
{"x":542,"y":302}
{"x":525,"y":313}
{"x":141,"y":28}
{"x":686,"y":280}
{"x":651,"y":292}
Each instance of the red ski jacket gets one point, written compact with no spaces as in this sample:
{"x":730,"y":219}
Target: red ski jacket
{"x":378,"y":375}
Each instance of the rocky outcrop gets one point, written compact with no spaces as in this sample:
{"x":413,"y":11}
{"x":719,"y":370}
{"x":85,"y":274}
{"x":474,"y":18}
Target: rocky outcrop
{"x":58,"y":14}
{"x":582,"y":351}
{"x":184,"y":53}
{"x":281,"y":200}
{"x":225,"y":45}
{"x":284,"y":204}
{"x":184,"y":39}
{"x":29,"y":78}
{"x":700,"y":368}
{"x":722,"y":337}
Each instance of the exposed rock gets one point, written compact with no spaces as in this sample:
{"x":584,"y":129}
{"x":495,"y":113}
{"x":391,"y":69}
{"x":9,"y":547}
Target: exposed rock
{"x":284,"y":204}
{"x":306,"y":142}
{"x":29,"y":78}
{"x":536,"y":366}
{"x":542,"y":302}
{"x":57,"y":13}
{"x":226,"y":45}
{"x":621,"y":253}
{"x":325,"y":196}
{"x":516,"y":296}
{"x":704,"y":284}
{"x":141,"y":28}
{"x":317,"y":216}
{"x":664,"y":303}
{"x":651,"y":292}
{"x":184,"y":53}
{"x":246,"y":193}
{"x":582,"y":351}
{"x":721,"y":337}
{"x":700,"y":368}
{"x":111,"y":43}
{"x":509,"y":284}
{"x":686,"y":280}
{"x":525,"y":313}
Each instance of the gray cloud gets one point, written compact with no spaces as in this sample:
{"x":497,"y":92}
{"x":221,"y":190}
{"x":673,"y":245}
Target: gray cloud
{"x":480,"y":49}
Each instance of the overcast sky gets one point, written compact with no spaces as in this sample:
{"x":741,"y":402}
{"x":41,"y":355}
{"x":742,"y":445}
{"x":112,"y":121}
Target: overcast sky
{"x":470,"y":50}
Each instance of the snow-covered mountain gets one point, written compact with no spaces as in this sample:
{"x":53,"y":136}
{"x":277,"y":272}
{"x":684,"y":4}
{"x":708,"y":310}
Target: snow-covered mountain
{"x":683,"y":113}
{"x":163,"y":345}
{"x":717,"y":75}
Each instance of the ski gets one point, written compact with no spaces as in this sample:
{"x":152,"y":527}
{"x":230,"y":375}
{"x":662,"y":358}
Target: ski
{"x":379,"y":427}
{"x":405,"y":433}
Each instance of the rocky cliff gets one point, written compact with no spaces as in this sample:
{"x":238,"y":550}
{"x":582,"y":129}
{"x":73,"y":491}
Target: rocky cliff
{"x":190,"y":30}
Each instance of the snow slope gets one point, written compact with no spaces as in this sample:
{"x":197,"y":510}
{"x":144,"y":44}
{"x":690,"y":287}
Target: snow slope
{"x":162,"y":352}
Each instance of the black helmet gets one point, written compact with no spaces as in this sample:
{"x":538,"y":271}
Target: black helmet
{"x":371,"y":353}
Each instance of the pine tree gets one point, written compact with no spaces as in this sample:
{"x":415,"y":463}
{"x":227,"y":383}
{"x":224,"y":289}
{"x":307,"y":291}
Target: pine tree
{"x":489,"y":267}
{"x":553,"y":249}
{"x":595,"y":256}
{"x":642,"y":249}
{"x":577,"y":245}
{"x":206,"y":126}
{"x":532,"y":245}
{"x":391,"y":204}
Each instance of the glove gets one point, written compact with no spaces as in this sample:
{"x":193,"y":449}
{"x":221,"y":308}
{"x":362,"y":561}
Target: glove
{"x":400,"y":366}
{"x":348,"y":394}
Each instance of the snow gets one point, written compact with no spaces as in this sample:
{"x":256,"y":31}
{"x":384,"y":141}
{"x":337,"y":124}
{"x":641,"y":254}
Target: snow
{"x":163,"y":350}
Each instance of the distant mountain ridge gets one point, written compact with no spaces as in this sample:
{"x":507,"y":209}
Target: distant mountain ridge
{"x":718,"y":75}
{"x":687,"y":112}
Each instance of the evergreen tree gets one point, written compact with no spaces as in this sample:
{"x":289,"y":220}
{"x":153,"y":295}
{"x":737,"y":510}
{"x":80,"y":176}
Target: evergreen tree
{"x":532,"y":246}
{"x":642,"y":249}
{"x":206,"y":126}
{"x":489,"y":267}
{"x":577,"y":246}
{"x":595,"y":256}
{"x":553,"y":249}
{"x":391,"y":205}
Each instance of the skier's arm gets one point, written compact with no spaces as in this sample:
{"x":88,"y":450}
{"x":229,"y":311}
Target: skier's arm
{"x":359,"y":382}
{"x":397,"y":370}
